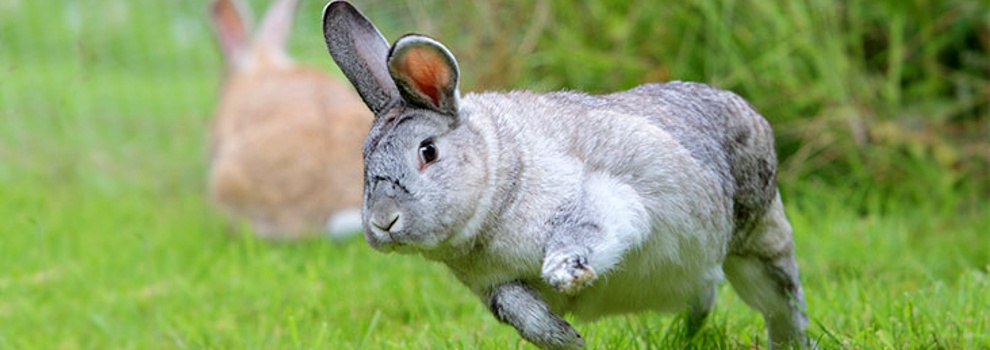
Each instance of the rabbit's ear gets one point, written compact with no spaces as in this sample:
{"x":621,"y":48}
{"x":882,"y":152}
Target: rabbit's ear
{"x":273,"y":33}
{"x":360,"y":51}
{"x":425,"y":72}
{"x":232,"y":29}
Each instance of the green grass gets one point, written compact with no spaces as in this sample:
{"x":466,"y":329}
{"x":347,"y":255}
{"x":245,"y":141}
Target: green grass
{"x":106,"y":239}
{"x":84,"y":269}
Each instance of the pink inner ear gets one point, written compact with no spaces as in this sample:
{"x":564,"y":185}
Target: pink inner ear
{"x":230,"y":28}
{"x":427,"y":71}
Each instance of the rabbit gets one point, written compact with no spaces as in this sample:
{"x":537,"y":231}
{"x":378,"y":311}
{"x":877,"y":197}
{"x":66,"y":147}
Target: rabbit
{"x":285,"y":145}
{"x":570,"y":203}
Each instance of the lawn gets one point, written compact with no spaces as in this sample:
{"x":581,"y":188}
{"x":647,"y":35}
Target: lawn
{"x":107,"y":241}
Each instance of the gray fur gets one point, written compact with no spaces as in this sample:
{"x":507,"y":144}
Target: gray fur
{"x":546,"y":204}
{"x":521,"y":307}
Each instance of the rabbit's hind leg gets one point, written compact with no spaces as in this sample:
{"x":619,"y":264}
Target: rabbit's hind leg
{"x":763,"y":271}
{"x":699,"y":310}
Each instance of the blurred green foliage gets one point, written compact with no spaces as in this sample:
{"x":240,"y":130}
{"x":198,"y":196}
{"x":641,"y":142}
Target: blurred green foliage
{"x":863,"y":94}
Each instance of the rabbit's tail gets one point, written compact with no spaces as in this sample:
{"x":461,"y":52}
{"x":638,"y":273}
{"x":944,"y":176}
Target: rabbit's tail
{"x":344,"y":223}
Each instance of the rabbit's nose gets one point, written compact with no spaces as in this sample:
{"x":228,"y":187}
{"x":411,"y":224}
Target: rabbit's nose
{"x":387,"y":223}
{"x":385,"y":220}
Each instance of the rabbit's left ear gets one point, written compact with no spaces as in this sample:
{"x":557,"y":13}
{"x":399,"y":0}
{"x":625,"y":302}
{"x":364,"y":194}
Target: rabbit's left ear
{"x":425,"y":72}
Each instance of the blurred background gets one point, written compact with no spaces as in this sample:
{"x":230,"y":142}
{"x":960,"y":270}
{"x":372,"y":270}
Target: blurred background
{"x":887,"y":97}
{"x":881,"y":109}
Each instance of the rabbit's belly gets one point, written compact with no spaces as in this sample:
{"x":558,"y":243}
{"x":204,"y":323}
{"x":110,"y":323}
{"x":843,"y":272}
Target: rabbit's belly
{"x":644,"y":284}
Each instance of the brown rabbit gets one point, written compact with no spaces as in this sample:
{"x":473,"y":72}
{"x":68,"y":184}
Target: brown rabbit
{"x":286,"y":142}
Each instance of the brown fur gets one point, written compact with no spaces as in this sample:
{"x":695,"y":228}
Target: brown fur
{"x":286,"y":141}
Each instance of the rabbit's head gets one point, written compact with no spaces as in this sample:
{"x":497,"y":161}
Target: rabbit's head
{"x":426,"y":173}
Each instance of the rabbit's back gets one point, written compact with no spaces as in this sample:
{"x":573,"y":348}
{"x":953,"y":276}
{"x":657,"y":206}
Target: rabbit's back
{"x":720,"y":130}
{"x":290,"y":95}
{"x":643,"y":136}
{"x":723,"y":131}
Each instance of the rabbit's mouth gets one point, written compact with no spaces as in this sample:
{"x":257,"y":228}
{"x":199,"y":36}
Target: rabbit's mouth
{"x":388,"y":243}
{"x":399,"y":241}
{"x":381,"y":240}
{"x":386,"y":224}
{"x":388,"y":235}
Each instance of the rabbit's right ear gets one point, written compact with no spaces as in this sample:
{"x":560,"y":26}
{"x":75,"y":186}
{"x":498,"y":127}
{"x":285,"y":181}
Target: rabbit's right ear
{"x":425,"y":72}
{"x":360,"y":51}
{"x":232,"y":29}
{"x":273,"y":33}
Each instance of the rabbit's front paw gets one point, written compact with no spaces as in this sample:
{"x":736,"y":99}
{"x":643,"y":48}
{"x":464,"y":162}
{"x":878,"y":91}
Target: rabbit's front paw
{"x":568,"y":273}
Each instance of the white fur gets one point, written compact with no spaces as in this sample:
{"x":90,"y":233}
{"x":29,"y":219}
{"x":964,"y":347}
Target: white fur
{"x":344,"y":223}
{"x":624,"y":218}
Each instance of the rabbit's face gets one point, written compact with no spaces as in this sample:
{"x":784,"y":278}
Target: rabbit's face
{"x":424,"y":176}
{"x":426,"y":169}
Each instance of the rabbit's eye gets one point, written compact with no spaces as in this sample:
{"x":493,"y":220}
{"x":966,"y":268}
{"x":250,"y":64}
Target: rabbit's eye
{"x":427,"y":153}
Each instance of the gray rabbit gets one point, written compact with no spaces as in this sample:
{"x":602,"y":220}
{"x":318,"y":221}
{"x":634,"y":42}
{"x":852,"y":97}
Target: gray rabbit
{"x":545,"y":204}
